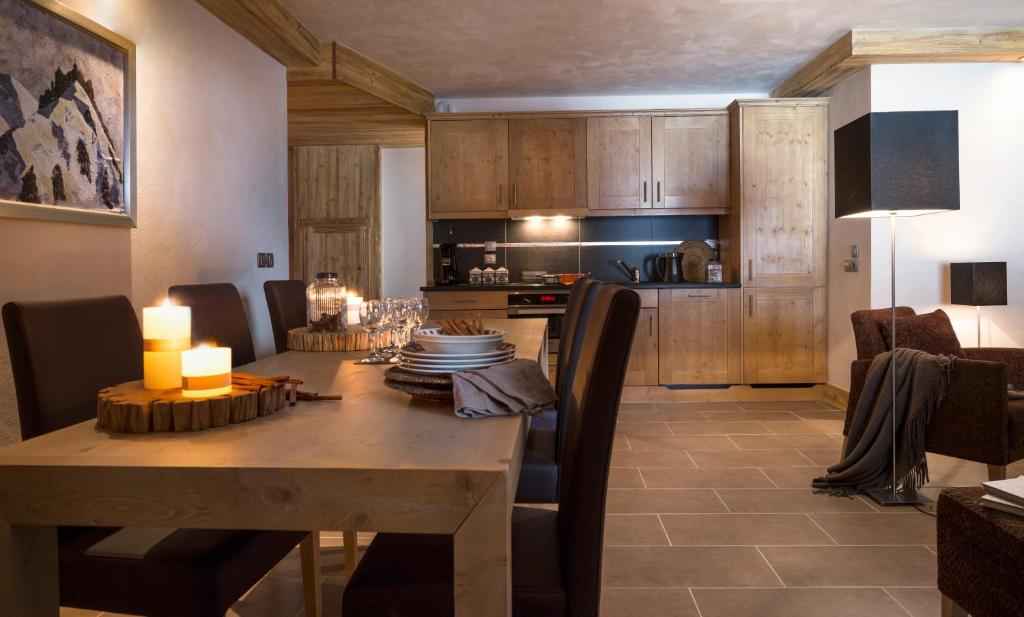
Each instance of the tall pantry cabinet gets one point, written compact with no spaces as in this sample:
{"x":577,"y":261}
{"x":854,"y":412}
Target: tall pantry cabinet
{"x":774,"y":239}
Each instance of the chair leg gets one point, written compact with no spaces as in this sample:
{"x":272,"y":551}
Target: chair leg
{"x":351,"y":541}
{"x":309,"y":552}
{"x":951,"y":608}
{"x":996,"y":472}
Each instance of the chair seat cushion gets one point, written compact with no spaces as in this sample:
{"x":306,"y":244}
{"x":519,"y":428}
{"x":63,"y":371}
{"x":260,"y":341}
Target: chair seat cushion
{"x":545,"y":419}
{"x":191,"y":572}
{"x":1015,"y":413}
{"x":538,"y":476}
{"x":410,"y":575}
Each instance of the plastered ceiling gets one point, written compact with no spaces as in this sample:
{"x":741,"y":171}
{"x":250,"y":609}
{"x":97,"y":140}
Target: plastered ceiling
{"x":476,"y":48}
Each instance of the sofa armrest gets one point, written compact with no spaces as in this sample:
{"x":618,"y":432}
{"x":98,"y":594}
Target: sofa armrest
{"x":1011,"y":356}
{"x":972,"y":422}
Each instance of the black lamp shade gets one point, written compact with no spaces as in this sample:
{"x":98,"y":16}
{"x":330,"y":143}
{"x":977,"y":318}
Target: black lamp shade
{"x":902,"y":163}
{"x":978,"y":284}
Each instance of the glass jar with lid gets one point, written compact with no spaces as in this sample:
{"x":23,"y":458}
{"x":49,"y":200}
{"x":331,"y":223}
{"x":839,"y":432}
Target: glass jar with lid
{"x":501,"y":276}
{"x":476,"y":276}
{"x":488,"y":276}
{"x":326,"y":304}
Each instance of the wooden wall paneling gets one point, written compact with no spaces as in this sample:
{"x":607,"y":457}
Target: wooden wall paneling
{"x":269,"y":26}
{"x":785,"y":335}
{"x":468,"y":167}
{"x":547,"y":164}
{"x":700,"y":336}
{"x":860,"y":48}
{"x":642,"y":369}
{"x":784,"y":195}
{"x":619,"y":163}
{"x":691,"y":161}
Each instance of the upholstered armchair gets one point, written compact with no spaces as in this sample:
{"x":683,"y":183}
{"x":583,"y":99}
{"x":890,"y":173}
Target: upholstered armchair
{"x":975,"y":421}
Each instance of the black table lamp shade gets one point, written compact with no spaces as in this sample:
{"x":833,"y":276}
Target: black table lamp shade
{"x":902,"y":163}
{"x":978,"y":284}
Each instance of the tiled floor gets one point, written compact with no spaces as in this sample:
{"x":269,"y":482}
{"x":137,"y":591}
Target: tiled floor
{"x":710,"y":515}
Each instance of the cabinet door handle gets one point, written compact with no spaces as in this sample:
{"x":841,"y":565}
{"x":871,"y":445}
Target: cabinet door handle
{"x":645,"y":191}
{"x":465,"y":300}
{"x":750,"y":305}
{"x":750,"y":269}
{"x":698,"y":296}
{"x":659,"y":191}
{"x":650,"y":325}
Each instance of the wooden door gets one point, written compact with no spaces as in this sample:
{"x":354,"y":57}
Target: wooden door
{"x":643,"y":357}
{"x":548,"y":163}
{"x":700,"y":339}
{"x":468,"y":167}
{"x":690,"y":158}
{"x":784,"y":195}
{"x":785,"y":335}
{"x":334,"y":212}
{"x":619,"y":163}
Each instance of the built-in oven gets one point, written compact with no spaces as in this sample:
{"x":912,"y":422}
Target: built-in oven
{"x":539,"y":304}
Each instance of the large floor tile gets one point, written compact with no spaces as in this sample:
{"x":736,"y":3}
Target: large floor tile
{"x":823,"y":566}
{"x":689,"y":477}
{"x":918,"y":601}
{"x":686,"y":566}
{"x":831,"y":414}
{"x":749,"y":458}
{"x":719,"y":428}
{"x":751,"y":416}
{"x":658,"y":500}
{"x":675,"y":442}
{"x":78,"y":612}
{"x":742,"y":530}
{"x":788,"y":500}
{"x":624,"y":477}
{"x":272,"y":597}
{"x":961,"y":474}
{"x":633,"y":530}
{"x":709,"y":406}
{"x":782,"y":406}
{"x":826,"y":457}
{"x":635,"y":408}
{"x":807,"y":426}
{"x":793,"y":477}
{"x":675,"y":415}
{"x":620,"y":442}
{"x":796,"y":603}
{"x":767,"y":442}
{"x":651,"y":458}
{"x":910,"y":527}
{"x":631,"y":429}
{"x":647,"y":603}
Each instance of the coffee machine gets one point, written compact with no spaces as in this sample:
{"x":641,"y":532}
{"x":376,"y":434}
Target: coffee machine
{"x":449,"y":265}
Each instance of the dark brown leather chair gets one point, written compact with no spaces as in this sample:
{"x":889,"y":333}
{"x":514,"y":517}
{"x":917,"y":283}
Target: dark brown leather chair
{"x":218,"y":315}
{"x":556,"y":555}
{"x":975,"y":421}
{"x":62,"y":354}
{"x":538,"y":477}
{"x":286,"y":301}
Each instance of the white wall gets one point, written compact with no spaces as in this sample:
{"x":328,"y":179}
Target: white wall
{"x":212,"y":188}
{"x":990,"y":101}
{"x":577,"y":103}
{"x":403,"y":213}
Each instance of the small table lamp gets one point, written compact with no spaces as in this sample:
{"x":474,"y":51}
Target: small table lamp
{"x":978,"y":284}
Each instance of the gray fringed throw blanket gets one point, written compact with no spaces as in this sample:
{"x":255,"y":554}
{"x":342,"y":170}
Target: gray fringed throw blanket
{"x":921,"y":383}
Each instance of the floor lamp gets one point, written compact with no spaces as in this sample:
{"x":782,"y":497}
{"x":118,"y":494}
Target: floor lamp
{"x":892,"y":165}
{"x":978,"y":284}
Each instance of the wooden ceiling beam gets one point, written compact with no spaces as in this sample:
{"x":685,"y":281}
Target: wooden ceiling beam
{"x":334,"y":113}
{"x":269,"y":26}
{"x":860,"y":48}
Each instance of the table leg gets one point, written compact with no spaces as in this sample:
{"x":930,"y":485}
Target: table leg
{"x":483,"y":579}
{"x":28,"y":571}
{"x":309,"y":554}
{"x":351,"y":541}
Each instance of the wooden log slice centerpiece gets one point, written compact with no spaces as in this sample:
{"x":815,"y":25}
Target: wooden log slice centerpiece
{"x":352,"y":339}
{"x":130,"y":408}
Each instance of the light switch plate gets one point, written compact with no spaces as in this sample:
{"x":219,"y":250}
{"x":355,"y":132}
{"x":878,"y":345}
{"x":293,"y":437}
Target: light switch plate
{"x":851,"y":265}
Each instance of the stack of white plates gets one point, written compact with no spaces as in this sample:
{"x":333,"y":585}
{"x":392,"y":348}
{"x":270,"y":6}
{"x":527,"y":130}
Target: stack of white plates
{"x":439,"y":353}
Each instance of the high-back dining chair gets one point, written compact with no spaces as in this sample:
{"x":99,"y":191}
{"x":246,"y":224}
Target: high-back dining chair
{"x":538,"y":478}
{"x":556,"y":555}
{"x":218,"y":315}
{"x":62,"y":354}
{"x":286,"y":301}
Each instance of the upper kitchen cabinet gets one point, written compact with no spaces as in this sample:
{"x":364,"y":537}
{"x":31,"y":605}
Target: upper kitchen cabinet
{"x":690,"y":160}
{"x":469,"y":169}
{"x":619,"y":163}
{"x":548,"y":164}
{"x":779,"y":192}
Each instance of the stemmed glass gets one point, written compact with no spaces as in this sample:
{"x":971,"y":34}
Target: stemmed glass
{"x":392,"y":324}
{"x":420,"y":312}
{"x":373,"y":317}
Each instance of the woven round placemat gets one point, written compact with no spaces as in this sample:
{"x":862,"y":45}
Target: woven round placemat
{"x":437,"y":394}
{"x":397,"y":374}
{"x":696,"y":255}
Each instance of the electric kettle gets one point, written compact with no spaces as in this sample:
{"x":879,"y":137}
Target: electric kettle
{"x":667,"y":268}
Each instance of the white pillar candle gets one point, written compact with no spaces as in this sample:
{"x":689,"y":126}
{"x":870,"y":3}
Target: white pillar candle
{"x":206,"y":372}
{"x":166,"y":332}
{"x":354,"y":302}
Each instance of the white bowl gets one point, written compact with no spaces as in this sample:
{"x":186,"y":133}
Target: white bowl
{"x":434,"y":342}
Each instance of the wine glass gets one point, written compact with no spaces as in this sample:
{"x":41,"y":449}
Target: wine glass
{"x":392,"y":323}
{"x":373,"y":317}
{"x":420,"y":312}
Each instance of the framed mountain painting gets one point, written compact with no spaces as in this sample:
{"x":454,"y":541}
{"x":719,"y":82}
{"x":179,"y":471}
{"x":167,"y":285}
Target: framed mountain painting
{"x":67,"y":95}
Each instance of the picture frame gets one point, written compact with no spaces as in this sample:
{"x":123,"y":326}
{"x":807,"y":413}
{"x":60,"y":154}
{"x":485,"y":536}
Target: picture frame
{"x":107,"y":196}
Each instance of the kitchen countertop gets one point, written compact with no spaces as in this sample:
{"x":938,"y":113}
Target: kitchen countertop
{"x":544,"y":287}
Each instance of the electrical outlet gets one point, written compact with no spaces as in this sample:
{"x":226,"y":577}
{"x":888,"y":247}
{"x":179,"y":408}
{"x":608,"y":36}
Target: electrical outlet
{"x":851,"y":265}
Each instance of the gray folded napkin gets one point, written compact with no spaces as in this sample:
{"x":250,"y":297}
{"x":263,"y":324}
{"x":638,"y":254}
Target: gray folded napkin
{"x":517,"y":387}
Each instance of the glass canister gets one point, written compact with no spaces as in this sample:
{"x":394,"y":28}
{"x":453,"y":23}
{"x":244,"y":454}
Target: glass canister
{"x":488,"y":276}
{"x":714,"y":272}
{"x":326,"y":304}
{"x":501,"y":276}
{"x":476,"y":276}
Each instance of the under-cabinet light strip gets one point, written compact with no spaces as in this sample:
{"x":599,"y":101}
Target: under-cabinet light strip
{"x":527,"y":245}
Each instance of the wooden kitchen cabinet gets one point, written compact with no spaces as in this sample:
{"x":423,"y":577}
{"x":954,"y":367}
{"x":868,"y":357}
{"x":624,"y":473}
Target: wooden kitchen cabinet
{"x":468,"y":168}
{"x":548,"y":164}
{"x":781,"y":192}
{"x":690,"y":161}
{"x":785,"y":335}
{"x":700,"y":340}
{"x":439,"y":314}
{"x":619,"y":163}
{"x":642,"y":369}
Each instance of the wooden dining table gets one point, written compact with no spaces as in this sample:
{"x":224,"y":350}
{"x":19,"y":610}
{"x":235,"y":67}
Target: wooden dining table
{"x":376,"y":461}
